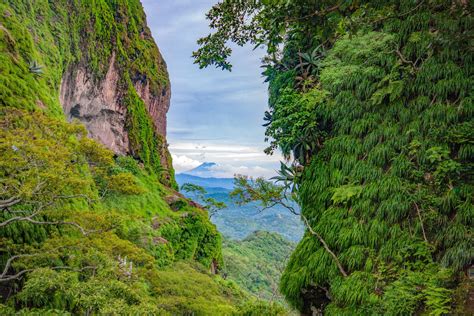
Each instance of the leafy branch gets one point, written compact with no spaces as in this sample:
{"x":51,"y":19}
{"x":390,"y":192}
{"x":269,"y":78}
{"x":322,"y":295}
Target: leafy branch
{"x":269,"y":194}
{"x":210,"y":204}
{"x":5,"y":277}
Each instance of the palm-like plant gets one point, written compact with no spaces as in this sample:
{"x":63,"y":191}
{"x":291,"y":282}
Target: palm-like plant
{"x":290,"y":177}
{"x":309,"y":67}
{"x":311,"y":61}
{"x":35,"y":68}
{"x":267,"y":118}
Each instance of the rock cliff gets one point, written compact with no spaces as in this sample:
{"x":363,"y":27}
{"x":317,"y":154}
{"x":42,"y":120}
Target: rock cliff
{"x":105,"y":70}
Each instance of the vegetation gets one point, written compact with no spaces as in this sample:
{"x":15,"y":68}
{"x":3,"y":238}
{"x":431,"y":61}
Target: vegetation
{"x":257,"y":262}
{"x":372,"y":106}
{"x":83,"y":231}
{"x":40,"y":40}
{"x":211,"y":205}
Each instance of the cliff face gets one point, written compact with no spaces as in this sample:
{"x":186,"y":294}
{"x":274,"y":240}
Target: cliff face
{"x":100,"y":65}
{"x":98,"y":106}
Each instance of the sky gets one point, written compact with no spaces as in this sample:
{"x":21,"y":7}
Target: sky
{"x":215,"y":116}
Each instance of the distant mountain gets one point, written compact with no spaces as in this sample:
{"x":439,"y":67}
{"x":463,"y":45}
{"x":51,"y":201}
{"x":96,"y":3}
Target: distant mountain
{"x":224,"y":183}
{"x":237,"y":221}
{"x":203,"y":170}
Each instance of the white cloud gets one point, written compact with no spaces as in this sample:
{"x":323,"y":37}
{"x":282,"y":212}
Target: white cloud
{"x":230,"y":159}
{"x":228,"y":171}
{"x":224,"y":153}
{"x":184,"y":163}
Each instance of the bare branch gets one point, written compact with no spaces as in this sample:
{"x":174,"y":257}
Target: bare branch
{"x":75,"y":196}
{"x":9,"y":202}
{"x":15,"y":276}
{"x":83,"y":230}
{"x":10,"y":260}
{"x":421,"y":222}
{"x":18,"y":219}
{"x":19,"y":274}
{"x":325,"y":245}
{"x":404,"y":60}
{"x":30,"y":219}
{"x":266,"y":193}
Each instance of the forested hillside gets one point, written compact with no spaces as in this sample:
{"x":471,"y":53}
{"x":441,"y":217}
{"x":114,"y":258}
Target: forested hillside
{"x":257,"y":262}
{"x":239,"y":221}
{"x":372,"y":105}
{"x":90,"y":221}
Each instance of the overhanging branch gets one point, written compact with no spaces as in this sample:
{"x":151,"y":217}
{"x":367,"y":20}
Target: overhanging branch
{"x":325,"y":245}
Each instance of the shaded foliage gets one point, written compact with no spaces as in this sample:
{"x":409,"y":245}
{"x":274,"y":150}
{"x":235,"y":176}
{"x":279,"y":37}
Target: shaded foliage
{"x":387,"y":180}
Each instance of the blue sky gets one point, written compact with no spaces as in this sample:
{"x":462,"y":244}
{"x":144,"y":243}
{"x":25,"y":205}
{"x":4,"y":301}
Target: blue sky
{"x":215,"y":115}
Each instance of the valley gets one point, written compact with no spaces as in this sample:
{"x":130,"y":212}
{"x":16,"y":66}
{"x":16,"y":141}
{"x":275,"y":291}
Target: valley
{"x":239,"y":221}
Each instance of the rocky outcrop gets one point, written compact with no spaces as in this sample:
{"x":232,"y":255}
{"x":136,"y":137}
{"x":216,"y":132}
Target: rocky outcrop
{"x":156,"y":105}
{"x":98,"y":105}
{"x":114,"y":80}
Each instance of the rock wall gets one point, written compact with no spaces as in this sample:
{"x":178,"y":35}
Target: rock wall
{"x":97,"y":106}
{"x":118,"y":87}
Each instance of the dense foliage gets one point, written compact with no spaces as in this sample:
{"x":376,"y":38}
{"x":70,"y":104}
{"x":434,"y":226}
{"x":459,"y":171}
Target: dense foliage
{"x":83,"y":231}
{"x":373,"y":104}
{"x":257,"y":262}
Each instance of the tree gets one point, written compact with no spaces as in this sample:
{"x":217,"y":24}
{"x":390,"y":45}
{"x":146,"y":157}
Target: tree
{"x":40,"y":168}
{"x":44,"y":183}
{"x":269,"y":194}
{"x":211,"y":205}
{"x":265,"y":23}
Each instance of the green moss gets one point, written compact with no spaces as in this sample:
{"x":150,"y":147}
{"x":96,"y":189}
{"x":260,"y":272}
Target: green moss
{"x":63,"y":34}
{"x":388,"y":187}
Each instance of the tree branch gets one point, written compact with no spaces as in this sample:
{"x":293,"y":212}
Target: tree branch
{"x":9,"y":202}
{"x":406,"y":61}
{"x":421,"y":222}
{"x":19,"y":274}
{"x":10,"y":260}
{"x":316,"y":13}
{"x":325,"y":245}
{"x":30,"y":219}
{"x":18,"y":219}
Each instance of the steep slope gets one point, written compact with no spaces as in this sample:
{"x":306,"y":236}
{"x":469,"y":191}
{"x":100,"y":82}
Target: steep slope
{"x":372,"y":103}
{"x":98,"y":62}
{"x":257,"y":262}
{"x":387,"y":185}
{"x":83,"y":229}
